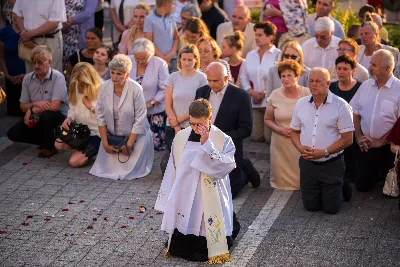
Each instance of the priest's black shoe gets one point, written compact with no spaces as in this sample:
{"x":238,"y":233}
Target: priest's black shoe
{"x":252,"y":173}
{"x":347,"y":191}
{"x":236,"y":226}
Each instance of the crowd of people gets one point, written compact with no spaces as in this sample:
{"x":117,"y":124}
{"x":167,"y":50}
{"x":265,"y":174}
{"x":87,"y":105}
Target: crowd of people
{"x":185,"y":78}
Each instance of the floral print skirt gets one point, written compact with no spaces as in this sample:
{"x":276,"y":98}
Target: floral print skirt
{"x":157,"y":126}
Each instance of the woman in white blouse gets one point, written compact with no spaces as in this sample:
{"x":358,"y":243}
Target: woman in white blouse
{"x":83,"y":91}
{"x":252,"y":79}
{"x":121,"y":113}
{"x":151,"y":73}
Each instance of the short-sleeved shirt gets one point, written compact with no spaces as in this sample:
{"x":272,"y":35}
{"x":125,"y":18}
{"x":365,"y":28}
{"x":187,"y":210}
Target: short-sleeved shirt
{"x":73,"y":59}
{"x":379,"y":108}
{"x":9,"y":37}
{"x":322,"y":127}
{"x":184,"y":92}
{"x":162,"y":29}
{"x":38,"y":12}
{"x":52,"y":88}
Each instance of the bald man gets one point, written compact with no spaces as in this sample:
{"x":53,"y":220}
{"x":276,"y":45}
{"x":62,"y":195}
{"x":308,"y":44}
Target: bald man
{"x":233,"y":115}
{"x":241,"y":21}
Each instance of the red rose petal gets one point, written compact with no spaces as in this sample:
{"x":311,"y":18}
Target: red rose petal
{"x":106,"y":218}
{"x":94,"y":219}
{"x":151,"y":216}
{"x":81,"y":201}
{"x":123,"y":226}
{"x":159,"y":213}
{"x":70,"y":203}
{"x":140,"y":211}
{"x":3,"y":232}
{"x":126,"y":241}
{"x":89,"y":227}
{"x":29,"y":217}
{"x":131,"y":217}
{"x":25,"y":224}
{"x":47,"y":219}
{"x":64,"y":209}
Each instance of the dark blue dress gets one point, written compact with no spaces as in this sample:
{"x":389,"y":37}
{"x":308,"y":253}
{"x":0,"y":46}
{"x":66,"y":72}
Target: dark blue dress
{"x":15,"y":66}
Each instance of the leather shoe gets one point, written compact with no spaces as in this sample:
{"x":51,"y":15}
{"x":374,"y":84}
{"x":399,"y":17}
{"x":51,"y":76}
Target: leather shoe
{"x":47,"y":152}
{"x":252,"y":173}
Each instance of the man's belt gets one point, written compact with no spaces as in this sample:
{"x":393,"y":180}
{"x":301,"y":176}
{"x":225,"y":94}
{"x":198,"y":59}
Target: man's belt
{"x":327,"y":161}
{"x":50,"y":35}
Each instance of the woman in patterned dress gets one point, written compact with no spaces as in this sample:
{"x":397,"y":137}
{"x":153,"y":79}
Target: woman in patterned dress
{"x":71,"y":32}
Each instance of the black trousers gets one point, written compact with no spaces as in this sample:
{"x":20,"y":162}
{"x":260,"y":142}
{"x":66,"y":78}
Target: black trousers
{"x":41,"y":134}
{"x":351,"y":156}
{"x":13,"y":96}
{"x":99,"y":19}
{"x":373,"y":167}
{"x":321,"y":185}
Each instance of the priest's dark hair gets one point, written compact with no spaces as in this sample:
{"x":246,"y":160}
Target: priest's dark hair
{"x":200,"y":108}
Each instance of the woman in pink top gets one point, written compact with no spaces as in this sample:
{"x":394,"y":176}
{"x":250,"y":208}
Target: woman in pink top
{"x":141,"y":11}
{"x":273,"y":13}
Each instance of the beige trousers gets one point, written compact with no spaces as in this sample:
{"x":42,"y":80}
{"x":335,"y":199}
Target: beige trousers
{"x":260,"y":132}
{"x":56,"y":46}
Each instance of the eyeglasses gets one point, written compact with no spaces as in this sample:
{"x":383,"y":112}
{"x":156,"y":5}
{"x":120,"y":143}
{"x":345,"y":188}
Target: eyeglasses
{"x":344,"y":49}
{"x":294,"y":57}
{"x":194,"y":124}
{"x":39,"y":62}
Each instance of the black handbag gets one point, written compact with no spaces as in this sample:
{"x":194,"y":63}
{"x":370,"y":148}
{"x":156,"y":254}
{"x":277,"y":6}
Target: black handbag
{"x":76,"y":137}
{"x":118,"y":142}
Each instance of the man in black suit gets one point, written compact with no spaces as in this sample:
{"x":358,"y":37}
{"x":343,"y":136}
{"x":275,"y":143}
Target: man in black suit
{"x":233,"y":115}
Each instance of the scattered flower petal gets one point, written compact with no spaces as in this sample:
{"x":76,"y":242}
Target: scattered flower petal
{"x":150,"y":216}
{"x":81,"y":201}
{"x":94,"y":219}
{"x":151,"y":228}
{"x":123,"y":226}
{"x":129,"y":233}
{"x":142,"y":209}
{"x":64,"y":209}
{"x":70,"y":203}
{"x":131,"y":217}
{"x":106,"y":218}
{"x":45,"y":212}
{"x":3,"y":232}
{"x":89,"y":227}
{"x":29,"y":217}
{"x":158,"y":213}
{"x":53,"y":216}
{"x":47,"y":219}
{"x":25,"y":224}
{"x":126,"y":241}
{"x":253,"y":153}
{"x":32,"y":203}
{"x":65,"y":234}
{"x":62,"y":215}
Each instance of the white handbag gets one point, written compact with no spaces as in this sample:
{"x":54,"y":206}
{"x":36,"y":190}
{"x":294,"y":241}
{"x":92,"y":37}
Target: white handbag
{"x":391,"y":187}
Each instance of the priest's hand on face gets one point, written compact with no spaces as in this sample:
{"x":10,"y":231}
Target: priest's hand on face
{"x":204,"y":133}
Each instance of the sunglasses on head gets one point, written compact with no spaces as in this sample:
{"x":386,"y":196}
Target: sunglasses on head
{"x":287,"y":56}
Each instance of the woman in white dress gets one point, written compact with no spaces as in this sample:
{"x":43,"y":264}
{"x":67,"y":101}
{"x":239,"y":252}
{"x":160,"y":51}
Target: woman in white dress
{"x":121,"y":112}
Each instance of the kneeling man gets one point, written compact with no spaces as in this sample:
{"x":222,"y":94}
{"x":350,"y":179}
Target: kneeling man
{"x":322,"y":127}
{"x":195,"y":194}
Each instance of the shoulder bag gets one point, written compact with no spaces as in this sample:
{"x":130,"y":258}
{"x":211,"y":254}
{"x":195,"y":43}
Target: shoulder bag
{"x":76,"y":137}
{"x":118,"y":142}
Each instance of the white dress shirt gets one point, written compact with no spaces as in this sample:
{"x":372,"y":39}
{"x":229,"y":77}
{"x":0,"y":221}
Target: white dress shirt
{"x":38,"y":12}
{"x":215,"y":101}
{"x":254,"y":70}
{"x":378,"y":107}
{"x":316,"y":56}
{"x":322,"y":127}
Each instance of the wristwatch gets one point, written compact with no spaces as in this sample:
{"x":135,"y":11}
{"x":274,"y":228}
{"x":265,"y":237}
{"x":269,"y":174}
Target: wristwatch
{"x":152,"y":102}
{"x":326,"y":153}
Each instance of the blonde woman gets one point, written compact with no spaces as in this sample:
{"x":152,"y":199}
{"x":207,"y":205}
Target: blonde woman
{"x":210,"y":52}
{"x":83,"y":90}
{"x":180,"y":91}
{"x":290,"y":50}
{"x":141,"y":11}
{"x":232,"y":47}
{"x":195,"y":29}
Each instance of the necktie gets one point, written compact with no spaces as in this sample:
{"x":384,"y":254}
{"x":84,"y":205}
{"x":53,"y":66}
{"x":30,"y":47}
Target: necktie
{"x":121,"y":12}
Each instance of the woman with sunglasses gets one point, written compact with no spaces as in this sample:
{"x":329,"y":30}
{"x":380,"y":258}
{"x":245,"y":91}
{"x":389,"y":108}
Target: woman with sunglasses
{"x":291,"y":50}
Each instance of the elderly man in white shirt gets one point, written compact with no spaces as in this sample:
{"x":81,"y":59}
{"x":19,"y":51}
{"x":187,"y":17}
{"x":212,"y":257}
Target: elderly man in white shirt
{"x":349,"y":47}
{"x":241,"y":21}
{"x":320,"y":51}
{"x":322,"y":126}
{"x":376,"y":109}
{"x":254,"y":70}
{"x":40,"y":23}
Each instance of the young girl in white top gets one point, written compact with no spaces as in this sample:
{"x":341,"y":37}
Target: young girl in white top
{"x":83,"y":92}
